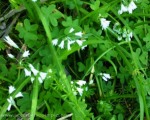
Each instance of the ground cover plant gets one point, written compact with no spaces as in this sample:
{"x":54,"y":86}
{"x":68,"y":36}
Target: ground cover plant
{"x":74,"y":60}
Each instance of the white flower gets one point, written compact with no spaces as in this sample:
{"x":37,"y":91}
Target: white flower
{"x":55,"y":42}
{"x":71,"y":30}
{"x":40,"y":80}
{"x":68,"y":45}
{"x":8,"y":40}
{"x":79,"y":34}
{"x":80,"y":42}
{"x":32,"y":79}
{"x":11,"y":56}
{"x":83,"y":47}
{"x":81,"y":83}
{"x":80,"y":90}
{"x":132,"y":6}
{"x":43,"y":75}
{"x":105,"y":76}
{"x":104,"y":23}
{"x":11,"y":89}
{"x":19,"y":95}
{"x":11,"y":102}
{"x":61,"y":45}
{"x":123,"y":9}
{"x":127,"y":34}
{"x":27,"y":72}
{"x":26,"y":54}
{"x":35,"y":72}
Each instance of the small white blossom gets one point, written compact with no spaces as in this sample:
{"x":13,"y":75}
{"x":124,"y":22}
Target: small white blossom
{"x":123,"y":9}
{"x":80,"y":90}
{"x":104,"y":23}
{"x":132,"y":6}
{"x":43,"y":75}
{"x":68,"y":45}
{"x":83,"y":47}
{"x":19,"y":95}
{"x":127,"y":34}
{"x":27,"y":72}
{"x":105,"y":76}
{"x":61,"y":45}
{"x":35,"y":72}
{"x":11,"y":56}
{"x":10,"y":42}
{"x":11,"y":89}
{"x":80,"y":42}
{"x":40,"y":80}
{"x":32,"y":79}
{"x":79,"y":34}
{"x":26,"y":54}
{"x":81,"y":83}
{"x":71,"y":30}
{"x":11,"y":102}
{"x":55,"y":42}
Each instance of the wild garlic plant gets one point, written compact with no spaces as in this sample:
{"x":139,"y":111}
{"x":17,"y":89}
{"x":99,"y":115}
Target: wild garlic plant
{"x":78,"y":60}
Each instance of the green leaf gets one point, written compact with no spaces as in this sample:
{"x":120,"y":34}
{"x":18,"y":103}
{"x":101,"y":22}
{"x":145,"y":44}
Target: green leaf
{"x":81,"y":67}
{"x":95,"y":5}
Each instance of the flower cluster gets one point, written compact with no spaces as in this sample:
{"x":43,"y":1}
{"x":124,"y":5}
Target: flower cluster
{"x":9,"y":41}
{"x":68,"y":41}
{"x":10,"y":99}
{"x":41,"y":75}
{"x":123,"y":33}
{"x":132,"y":6}
{"x":80,"y":86}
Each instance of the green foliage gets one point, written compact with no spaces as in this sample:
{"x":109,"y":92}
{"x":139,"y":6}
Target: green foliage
{"x":28,"y":32}
{"x":81,"y":60}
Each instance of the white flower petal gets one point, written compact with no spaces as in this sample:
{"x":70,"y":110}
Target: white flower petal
{"x":9,"y":107}
{"x":81,"y":83}
{"x":19,"y":95}
{"x":26,"y":54}
{"x":105,"y":76}
{"x":71,"y":30}
{"x":79,"y":34}
{"x":104,"y":23}
{"x":80,"y":42}
{"x":10,"y":42}
{"x":11,"y":89}
{"x":40,"y":80}
{"x":80,"y":90}
{"x":32,"y":79}
{"x":27,"y":72}
{"x":132,"y":6}
{"x":55,"y":42}
{"x":83,"y":47}
{"x":61,"y":45}
{"x":11,"y":102}
{"x":35,"y":72}
{"x":43,"y":75}
{"x":11,"y":56}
